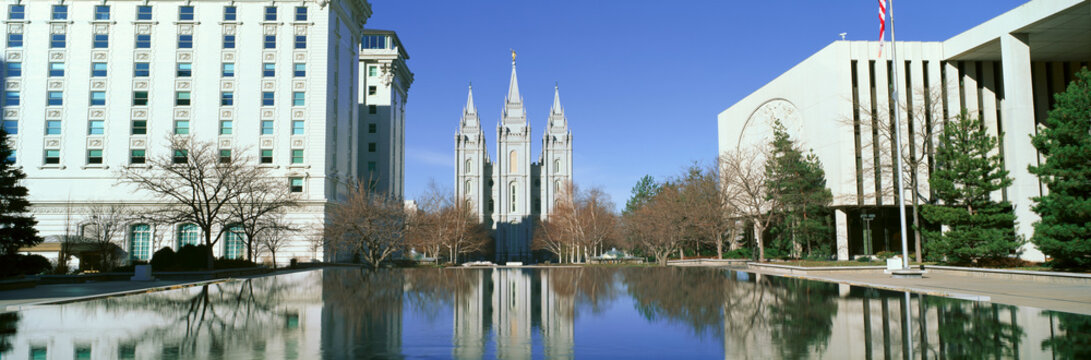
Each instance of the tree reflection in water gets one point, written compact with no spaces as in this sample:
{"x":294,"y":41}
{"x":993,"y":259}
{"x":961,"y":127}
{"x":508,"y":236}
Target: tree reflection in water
{"x":8,"y":324}
{"x":362,"y":313}
{"x":1075,"y":340}
{"x":975,"y":329}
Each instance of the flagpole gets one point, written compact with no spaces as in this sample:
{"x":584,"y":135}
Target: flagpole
{"x":898,"y":141}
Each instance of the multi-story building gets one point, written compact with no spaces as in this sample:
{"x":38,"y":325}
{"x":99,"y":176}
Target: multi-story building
{"x":508,"y":193}
{"x":384,"y":88}
{"x":94,"y":86}
{"x":839,"y":101}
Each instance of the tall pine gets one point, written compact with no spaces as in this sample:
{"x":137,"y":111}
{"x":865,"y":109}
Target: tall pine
{"x":798,"y":183}
{"x":1064,"y":232}
{"x":16,"y":224}
{"x":968,"y":169}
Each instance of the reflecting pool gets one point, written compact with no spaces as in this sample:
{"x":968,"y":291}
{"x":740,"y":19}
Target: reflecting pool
{"x":561,"y":313}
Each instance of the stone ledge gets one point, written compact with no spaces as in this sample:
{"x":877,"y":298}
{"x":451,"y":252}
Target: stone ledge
{"x":1005,"y":274}
{"x":804,"y":270}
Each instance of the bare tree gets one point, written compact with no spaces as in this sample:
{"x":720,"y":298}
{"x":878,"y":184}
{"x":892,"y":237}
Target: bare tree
{"x":369,"y":224}
{"x":316,"y":241}
{"x":104,"y":231}
{"x":444,"y":222}
{"x":657,"y":227}
{"x":198,"y":183}
{"x":581,"y":224}
{"x":743,"y":175}
{"x":257,"y":207}
{"x":275,"y":235}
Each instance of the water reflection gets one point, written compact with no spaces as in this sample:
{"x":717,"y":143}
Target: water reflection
{"x":560,"y":313}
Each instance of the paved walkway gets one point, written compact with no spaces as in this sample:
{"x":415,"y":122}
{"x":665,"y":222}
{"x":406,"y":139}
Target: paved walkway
{"x":11,"y":300}
{"x":1060,"y":297}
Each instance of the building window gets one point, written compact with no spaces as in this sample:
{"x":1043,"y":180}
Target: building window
{"x":372,"y":128}
{"x":268,"y":69}
{"x":233,"y":242}
{"x":229,"y":70}
{"x":56,"y":69}
{"x":297,"y":156}
{"x":300,"y":70}
{"x":372,"y":147}
{"x":267,"y":127}
{"x":185,"y":13}
{"x":60,"y":12}
{"x":58,"y":41}
{"x":513,"y":197}
{"x":94,"y":157}
{"x":300,"y":13}
{"x":229,"y":41}
{"x":181,"y":156}
{"x":136,"y":157}
{"x":185,"y":41}
{"x":52,"y":157}
{"x":55,"y":98}
{"x":140,"y":236}
{"x":181,"y":98}
{"x":96,"y":127}
{"x":295,"y":184}
{"x":227,"y":98}
{"x":10,"y":126}
{"x":11,"y":98}
{"x":266,"y":156}
{"x":513,"y":164}
{"x":52,"y":127}
{"x":372,"y":109}
{"x":374,"y":42}
{"x":267,"y":98}
{"x":230,"y":13}
{"x":299,"y":98}
{"x":16,"y":12}
{"x":140,"y":98}
{"x":98,"y":69}
{"x":270,"y":13}
{"x":270,"y":42}
{"x":297,"y":127}
{"x":102,"y":12}
{"x":301,"y":41}
{"x":102,"y":41}
{"x":141,"y":69}
{"x":372,"y":71}
{"x":143,"y":12}
{"x":225,"y":127}
{"x":372,"y":90}
{"x":370,"y":166}
{"x":140,"y":127}
{"x":225,"y":156}
{"x":14,"y":69}
{"x":98,"y":98}
{"x":181,"y":127}
{"x":143,"y":41}
{"x":188,"y":235}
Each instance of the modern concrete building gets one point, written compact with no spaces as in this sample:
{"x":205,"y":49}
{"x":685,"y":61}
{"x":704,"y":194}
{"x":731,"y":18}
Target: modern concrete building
{"x":384,"y":88}
{"x":94,"y":86}
{"x":508,"y":193}
{"x":838,"y":101}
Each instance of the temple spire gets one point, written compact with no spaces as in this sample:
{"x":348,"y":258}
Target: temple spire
{"x":470,"y":108}
{"x":557,"y":100}
{"x":513,"y":86}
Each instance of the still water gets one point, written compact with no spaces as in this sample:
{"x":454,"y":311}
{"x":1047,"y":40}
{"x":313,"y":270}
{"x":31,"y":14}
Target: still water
{"x":559,"y":313}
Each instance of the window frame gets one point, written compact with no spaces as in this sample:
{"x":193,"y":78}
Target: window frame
{"x":229,"y":41}
{"x":185,"y":41}
{"x":100,"y":41}
{"x":181,"y":127}
{"x":143,"y":41}
{"x":142,"y":69}
{"x":54,"y":127}
{"x":51,"y":160}
{"x":92,"y":159}
{"x":265,"y":156}
{"x":140,"y":100}
{"x":180,"y":100}
{"x":269,"y":42}
{"x":58,"y":41}
{"x":22,"y":12}
{"x":96,"y":72}
{"x":269,"y":13}
{"x":227,"y":127}
{"x":224,"y":68}
{"x":300,"y":13}
{"x":50,"y":98}
{"x":134,"y":159}
{"x":141,"y":14}
{"x":186,"y":13}
{"x":138,"y":130}
{"x":267,"y":127}
{"x":97,"y":98}
{"x":100,"y":14}
{"x":62,"y":14}
{"x":96,"y":127}
{"x":231,"y":13}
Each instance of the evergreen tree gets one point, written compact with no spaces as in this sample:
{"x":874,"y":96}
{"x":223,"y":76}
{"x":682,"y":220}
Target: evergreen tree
{"x":1064,"y":231}
{"x":965,"y":176}
{"x":16,"y":224}
{"x":643,"y":191}
{"x":799,"y":184}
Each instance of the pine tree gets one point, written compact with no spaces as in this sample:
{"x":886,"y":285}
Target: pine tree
{"x":965,"y":176}
{"x":643,"y":191}
{"x":799,"y":183}
{"x":16,"y":225}
{"x":1064,"y":232}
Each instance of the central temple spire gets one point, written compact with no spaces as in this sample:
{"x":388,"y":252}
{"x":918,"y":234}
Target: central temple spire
{"x":470,"y":108}
{"x":513,"y":86}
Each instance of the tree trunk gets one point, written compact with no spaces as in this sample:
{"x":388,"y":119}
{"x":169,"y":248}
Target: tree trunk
{"x":719,"y":246}
{"x":208,"y":242}
{"x":758,"y":240}
{"x":274,"y":256}
{"x":916,"y":219}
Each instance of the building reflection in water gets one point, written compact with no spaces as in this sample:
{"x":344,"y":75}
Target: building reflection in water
{"x":514,"y":313}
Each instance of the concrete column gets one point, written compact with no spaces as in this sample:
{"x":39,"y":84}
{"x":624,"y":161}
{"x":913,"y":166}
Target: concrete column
{"x":1018,"y":124}
{"x":842,"y":226}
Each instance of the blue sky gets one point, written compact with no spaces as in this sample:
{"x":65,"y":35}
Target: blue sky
{"x":641,"y":81}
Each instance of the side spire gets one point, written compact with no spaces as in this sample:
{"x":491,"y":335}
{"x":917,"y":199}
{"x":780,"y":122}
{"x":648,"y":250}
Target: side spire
{"x":470,"y":108}
{"x":557,"y":100}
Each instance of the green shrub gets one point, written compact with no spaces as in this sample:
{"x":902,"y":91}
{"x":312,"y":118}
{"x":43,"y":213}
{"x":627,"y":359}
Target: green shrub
{"x":864,"y":259}
{"x":163,"y":259}
{"x":192,"y":257}
{"x":740,"y":253}
{"x":17,"y":265}
{"x":819,"y":253}
{"x":775,"y":253}
{"x":883,"y":255}
{"x":223,"y":263}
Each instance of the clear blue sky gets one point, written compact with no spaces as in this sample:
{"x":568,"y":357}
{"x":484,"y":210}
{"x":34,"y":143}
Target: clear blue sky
{"x":641,"y":81}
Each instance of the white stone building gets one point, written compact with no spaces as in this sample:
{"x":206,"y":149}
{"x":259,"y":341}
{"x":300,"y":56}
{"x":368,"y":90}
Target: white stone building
{"x":511,"y":192}
{"x":1004,"y":71}
{"x":384,"y":89}
{"x":94,"y":86}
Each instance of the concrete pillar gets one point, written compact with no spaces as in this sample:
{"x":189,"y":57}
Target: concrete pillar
{"x":842,"y":226}
{"x":1018,"y":124}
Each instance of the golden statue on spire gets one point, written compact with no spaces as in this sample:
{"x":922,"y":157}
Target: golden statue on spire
{"x":512,"y":56}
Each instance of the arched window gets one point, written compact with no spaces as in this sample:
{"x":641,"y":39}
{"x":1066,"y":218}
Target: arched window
{"x":513,"y":165}
{"x":140,"y":242}
{"x":188,"y":235}
{"x":557,"y":187}
{"x":556,"y":165}
{"x":233,"y":242}
{"x":513,"y":197}
{"x":468,"y":164}
{"x":466,"y":189}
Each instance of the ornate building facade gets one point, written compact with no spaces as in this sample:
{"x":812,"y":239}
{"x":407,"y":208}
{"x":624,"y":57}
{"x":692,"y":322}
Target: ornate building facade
{"x":508,"y":193}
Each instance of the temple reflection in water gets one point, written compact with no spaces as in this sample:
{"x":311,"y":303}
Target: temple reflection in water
{"x":529,"y":313}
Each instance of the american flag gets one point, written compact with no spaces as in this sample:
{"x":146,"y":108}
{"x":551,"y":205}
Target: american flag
{"x":882,"y":25}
